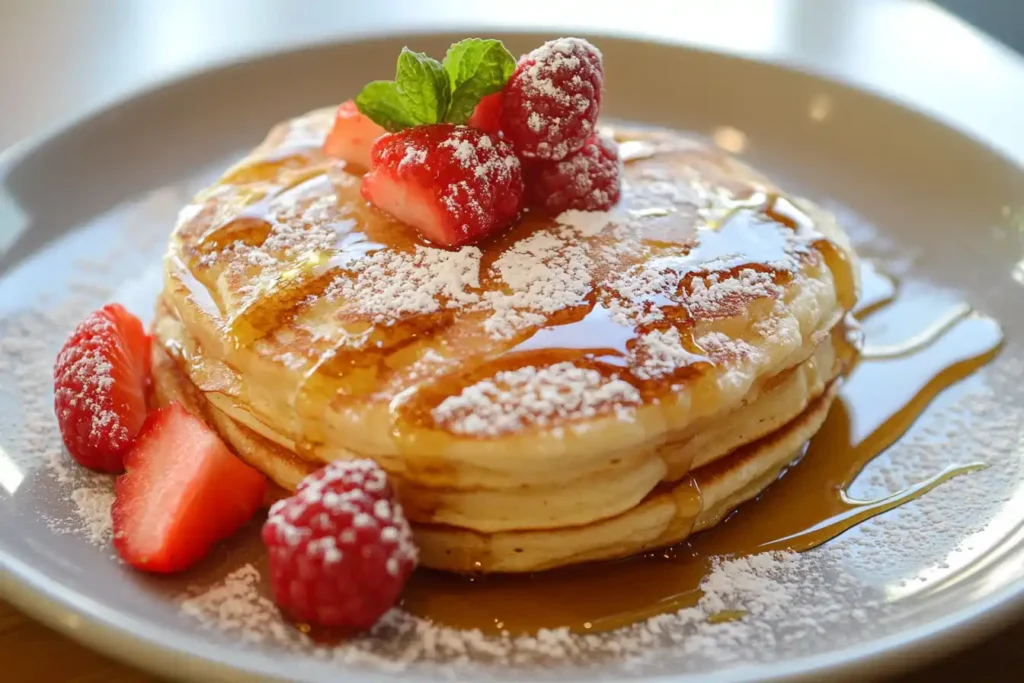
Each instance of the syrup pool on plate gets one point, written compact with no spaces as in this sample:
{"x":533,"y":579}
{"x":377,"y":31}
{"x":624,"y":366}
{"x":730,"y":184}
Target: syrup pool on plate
{"x":918,"y":342}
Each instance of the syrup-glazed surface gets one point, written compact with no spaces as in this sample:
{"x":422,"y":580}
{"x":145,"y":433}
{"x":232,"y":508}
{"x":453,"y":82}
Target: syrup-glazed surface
{"x":703,"y":281}
{"x":553,"y":376}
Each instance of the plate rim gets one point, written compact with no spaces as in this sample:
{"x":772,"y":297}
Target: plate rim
{"x":51,"y":602}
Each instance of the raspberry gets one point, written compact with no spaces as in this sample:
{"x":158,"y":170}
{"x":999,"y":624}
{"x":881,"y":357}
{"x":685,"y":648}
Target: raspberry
{"x":552,"y":100}
{"x":340,"y":549}
{"x":454,"y":184}
{"x":587,"y":180}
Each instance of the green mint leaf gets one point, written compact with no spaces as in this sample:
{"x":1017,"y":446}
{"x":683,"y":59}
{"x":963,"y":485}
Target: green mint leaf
{"x":423,"y":87}
{"x":475,"y":68}
{"x":384,"y":105}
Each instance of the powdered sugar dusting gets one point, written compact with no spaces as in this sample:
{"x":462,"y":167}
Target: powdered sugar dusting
{"x":237,"y":606}
{"x":586,"y":223}
{"x":93,"y":506}
{"x":86,"y":381}
{"x":868,"y":583}
{"x":535,"y":396}
{"x":545,"y":272}
{"x":391,"y":284}
{"x":345,"y":493}
{"x":718,"y":346}
{"x":558,"y":87}
{"x":661,"y":352}
{"x":718,"y":295}
{"x":775,"y":605}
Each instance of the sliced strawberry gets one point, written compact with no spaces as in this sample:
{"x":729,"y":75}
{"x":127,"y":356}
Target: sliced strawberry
{"x":487,"y":115}
{"x":454,"y":184}
{"x":99,"y":387}
{"x":352,"y":135}
{"x":182,"y":492}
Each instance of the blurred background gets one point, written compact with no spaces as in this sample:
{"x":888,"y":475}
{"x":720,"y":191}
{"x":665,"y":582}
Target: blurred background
{"x":61,"y":57}
{"x":1001,"y":19}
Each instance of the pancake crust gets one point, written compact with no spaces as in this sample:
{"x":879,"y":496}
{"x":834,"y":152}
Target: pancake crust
{"x":666,"y":515}
{"x":564,"y":374}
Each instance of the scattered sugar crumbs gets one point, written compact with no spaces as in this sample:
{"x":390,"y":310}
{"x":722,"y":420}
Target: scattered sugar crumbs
{"x":771,"y":588}
{"x":778,"y":604}
{"x":754,"y":609}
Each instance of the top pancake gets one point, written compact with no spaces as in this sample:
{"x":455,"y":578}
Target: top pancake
{"x":536,"y":356}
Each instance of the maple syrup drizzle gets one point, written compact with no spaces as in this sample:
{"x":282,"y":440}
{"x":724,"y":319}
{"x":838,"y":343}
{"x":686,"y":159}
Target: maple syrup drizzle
{"x":919,"y":343}
{"x":197,"y":291}
{"x":742,"y":238}
{"x":879,"y":401}
{"x":595,"y":335}
{"x":253,"y":224}
{"x":876,"y":289}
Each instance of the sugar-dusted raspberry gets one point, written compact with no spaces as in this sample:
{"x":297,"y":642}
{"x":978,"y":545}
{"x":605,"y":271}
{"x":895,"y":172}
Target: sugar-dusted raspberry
{"x":551,"y":102}
{"x":587,"y":180}
{"x":454,"y":184}
{"x":340,"y":549}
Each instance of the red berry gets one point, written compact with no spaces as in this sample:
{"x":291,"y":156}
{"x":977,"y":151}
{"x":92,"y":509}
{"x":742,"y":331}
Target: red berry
{"x":352,"y":135}
{"x":487,"y":115}
{"x":99,"y":383}
{"x":182,"y":491}
{"x":454,"y":184}
{"x":551,"y":102}
{"x":340,"y":549}
{"x":587,"y":180}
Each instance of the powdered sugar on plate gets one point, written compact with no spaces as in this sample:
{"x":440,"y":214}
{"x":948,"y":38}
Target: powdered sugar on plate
{"x":869,"y":583}
{"x":125,"y":244}
{"x":754,"y":610}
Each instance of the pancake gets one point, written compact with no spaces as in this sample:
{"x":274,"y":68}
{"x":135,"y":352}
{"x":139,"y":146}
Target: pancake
{"x":540,"y":398}
{"x":668,"y":514}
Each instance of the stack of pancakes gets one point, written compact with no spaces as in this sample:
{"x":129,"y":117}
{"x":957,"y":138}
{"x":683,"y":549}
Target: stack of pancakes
{"x":579,"y":388}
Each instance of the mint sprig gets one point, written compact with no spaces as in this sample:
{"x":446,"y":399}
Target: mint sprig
{"x":476,"y":68}
{"x":426,"y":91}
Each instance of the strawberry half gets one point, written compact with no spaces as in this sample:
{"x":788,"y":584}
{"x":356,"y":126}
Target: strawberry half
{"x":487,"y":115}
{"x":454,"y":184}
{"x":99,"y":387}
{"x":182,"y":492}
{"x":352,"y":135}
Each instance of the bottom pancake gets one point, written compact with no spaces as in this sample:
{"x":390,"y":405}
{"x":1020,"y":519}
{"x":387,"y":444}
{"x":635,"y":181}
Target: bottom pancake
{"x":667,"y":515}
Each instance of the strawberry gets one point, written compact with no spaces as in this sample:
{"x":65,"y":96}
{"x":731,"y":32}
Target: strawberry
{"x":182,"y":492}
{"x":487,"y":115}
{"x":99,"y":387}
{"x":352,"y":135}
{"x":454,"y":184}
